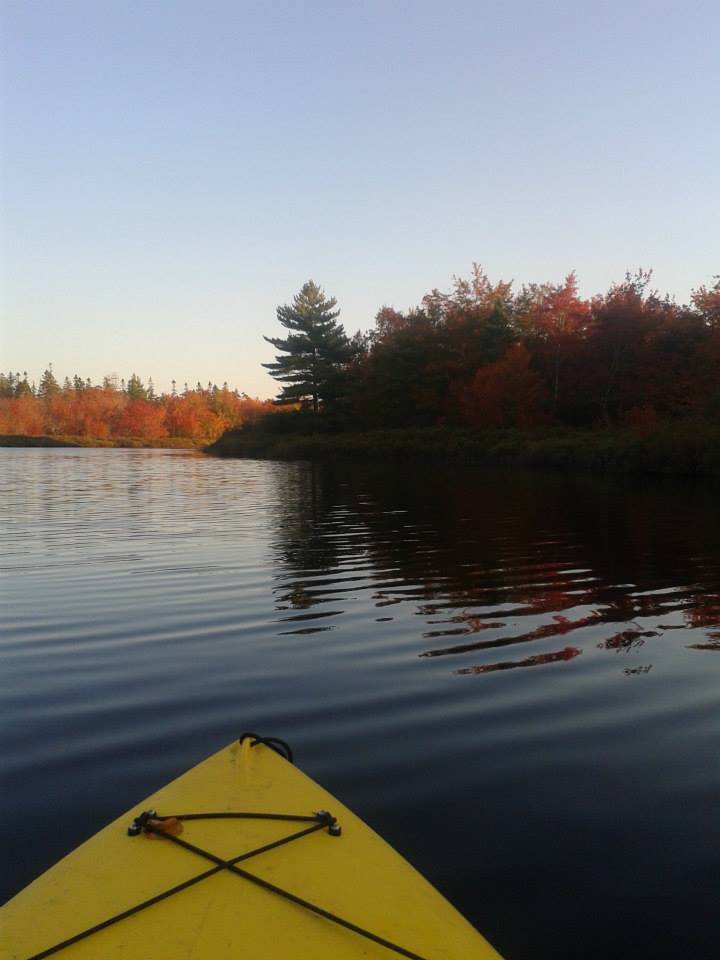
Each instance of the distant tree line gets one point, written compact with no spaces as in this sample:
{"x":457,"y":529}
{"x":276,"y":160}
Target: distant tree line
{"x":477,"y":355}
{"x":483,"y":355}
{"x":117,"y":409}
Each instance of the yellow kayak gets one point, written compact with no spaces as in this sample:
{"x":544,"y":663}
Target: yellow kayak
{"x":241,"y":853}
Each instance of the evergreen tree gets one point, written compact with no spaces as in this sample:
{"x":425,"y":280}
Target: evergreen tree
{"x":48,"y":384}
{"x":135,"y":388}
{"x":316,"y":349}
{"x":23,"y":388}
{"x":7,"y":385}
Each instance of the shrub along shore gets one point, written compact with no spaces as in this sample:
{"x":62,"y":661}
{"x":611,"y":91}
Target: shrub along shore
{"x":684,"y":448}
{"x":20,"y":440}
{"x":681,"y":447}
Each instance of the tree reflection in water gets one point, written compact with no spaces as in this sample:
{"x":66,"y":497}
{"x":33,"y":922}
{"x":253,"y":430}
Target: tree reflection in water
{"x":501,"y":559}
{"x":569,"y":653}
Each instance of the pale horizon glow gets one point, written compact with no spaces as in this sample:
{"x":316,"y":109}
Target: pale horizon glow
{"x":174,"y":171}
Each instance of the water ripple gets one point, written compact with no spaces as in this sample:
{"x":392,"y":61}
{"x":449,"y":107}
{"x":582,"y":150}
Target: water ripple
{"x":534,"y":654}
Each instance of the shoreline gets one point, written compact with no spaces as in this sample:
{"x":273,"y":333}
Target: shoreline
{"x":682,"y":448}
{"x":128,"y":443}
{"x":687,"y":448}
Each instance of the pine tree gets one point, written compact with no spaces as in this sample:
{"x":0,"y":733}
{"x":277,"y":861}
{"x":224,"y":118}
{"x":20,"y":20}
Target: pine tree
{"x":7,"y":385}
{"x":135,"y":389}
{"x":48,"y":384}
{"x":316,"y":348}
{"x":23,"y":388}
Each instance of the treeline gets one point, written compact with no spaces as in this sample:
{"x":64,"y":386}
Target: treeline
{"x":479,"y":355}
{"x":483,"y":356}
{"x":118,"y":410}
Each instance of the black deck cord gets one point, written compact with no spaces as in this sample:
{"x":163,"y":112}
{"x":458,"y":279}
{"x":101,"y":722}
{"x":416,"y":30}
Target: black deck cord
{"x":288,"y":896}
{"x":282,"y":748}
{"x":275,"y":743}
{"x":56,"y":948}
{"x":230,"y":865}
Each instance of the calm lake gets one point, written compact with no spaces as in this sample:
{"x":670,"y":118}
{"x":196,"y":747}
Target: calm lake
{"x":515,"y":678}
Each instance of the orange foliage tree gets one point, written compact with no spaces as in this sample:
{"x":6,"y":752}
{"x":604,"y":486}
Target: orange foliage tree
{"x":552,"y":319}
{"x":506,"y":393}
{"x":22,"y":415}
{"x":142,"y":419}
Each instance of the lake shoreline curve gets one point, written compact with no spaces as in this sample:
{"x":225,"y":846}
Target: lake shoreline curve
{"x":681,"y":448}
{"x":129,"y":443}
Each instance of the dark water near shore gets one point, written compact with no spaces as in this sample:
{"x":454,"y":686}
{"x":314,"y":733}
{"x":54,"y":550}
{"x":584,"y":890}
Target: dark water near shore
{"x":514,"y":678}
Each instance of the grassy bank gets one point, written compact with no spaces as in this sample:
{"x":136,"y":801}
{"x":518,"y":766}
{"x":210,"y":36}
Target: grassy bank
{"x":687,"y":448}
{"x":15,"y":440}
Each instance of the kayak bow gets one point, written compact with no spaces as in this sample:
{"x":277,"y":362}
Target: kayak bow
{"x":242,"y":851}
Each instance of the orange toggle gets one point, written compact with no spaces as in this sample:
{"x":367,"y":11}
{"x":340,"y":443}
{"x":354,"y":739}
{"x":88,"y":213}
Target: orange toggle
{"x":170,"y":825}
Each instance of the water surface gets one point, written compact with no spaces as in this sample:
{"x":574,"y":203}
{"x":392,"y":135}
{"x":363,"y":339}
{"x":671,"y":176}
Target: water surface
{"x":514,"y":677}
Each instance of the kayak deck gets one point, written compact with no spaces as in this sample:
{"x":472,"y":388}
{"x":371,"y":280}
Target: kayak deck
{"x":355,"y":877}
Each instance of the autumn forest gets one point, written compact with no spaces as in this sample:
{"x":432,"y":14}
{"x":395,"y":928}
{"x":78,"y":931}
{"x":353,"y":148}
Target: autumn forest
{"x":483,"y":356}
{"x":479,"y":355}
{"x":118,"y":411}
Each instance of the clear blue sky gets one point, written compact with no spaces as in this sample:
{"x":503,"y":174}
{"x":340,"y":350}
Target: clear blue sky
{"x":174,"y":170}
